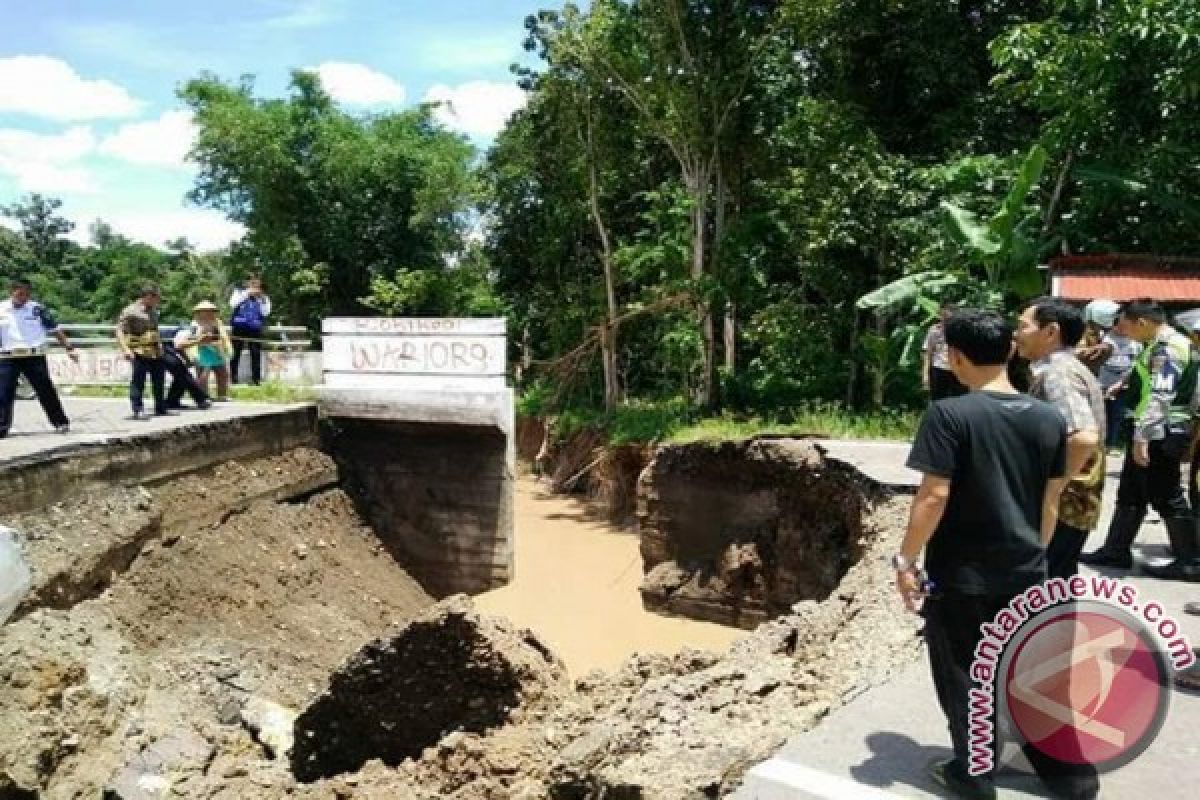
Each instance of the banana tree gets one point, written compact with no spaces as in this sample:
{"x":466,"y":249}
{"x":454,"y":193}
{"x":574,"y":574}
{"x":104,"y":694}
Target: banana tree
{"x":1006,"y":246}
{"x":1002,"y":250}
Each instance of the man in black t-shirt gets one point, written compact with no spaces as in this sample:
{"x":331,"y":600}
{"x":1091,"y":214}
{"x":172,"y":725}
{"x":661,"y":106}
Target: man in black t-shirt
{"x":993,"y":463}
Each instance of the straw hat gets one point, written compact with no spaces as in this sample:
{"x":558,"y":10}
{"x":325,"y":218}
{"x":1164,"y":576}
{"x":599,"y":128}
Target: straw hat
{"x":205,"y":306}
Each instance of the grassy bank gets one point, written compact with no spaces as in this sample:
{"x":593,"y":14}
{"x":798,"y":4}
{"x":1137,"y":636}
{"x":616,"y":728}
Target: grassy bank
{"x":269,"y":392}
{"x":676,"y":422}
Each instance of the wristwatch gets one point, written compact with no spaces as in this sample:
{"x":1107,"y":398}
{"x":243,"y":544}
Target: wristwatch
{"x":901,"y":564}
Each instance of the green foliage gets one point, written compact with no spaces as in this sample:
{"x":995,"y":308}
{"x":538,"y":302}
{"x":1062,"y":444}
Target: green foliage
{"x":332,"y":202}
{"x":678,"y":421}
{"x":266,"y":392}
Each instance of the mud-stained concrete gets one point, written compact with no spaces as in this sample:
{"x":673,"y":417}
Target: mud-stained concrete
{"x":577,"y":586}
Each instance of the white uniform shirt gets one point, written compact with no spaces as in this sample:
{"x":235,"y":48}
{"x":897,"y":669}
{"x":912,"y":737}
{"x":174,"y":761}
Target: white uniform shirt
{"x":26,"y":326}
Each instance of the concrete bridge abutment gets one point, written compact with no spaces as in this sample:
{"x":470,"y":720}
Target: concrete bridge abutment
{"x":422,"y":426}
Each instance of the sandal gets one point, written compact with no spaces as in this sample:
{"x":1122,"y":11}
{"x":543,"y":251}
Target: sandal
{"x":1189,"y":679}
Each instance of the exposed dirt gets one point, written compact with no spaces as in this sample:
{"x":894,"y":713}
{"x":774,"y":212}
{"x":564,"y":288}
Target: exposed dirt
{"x":738,"y":532}
{"x":181,"y":672}
{"x":150,"y":676}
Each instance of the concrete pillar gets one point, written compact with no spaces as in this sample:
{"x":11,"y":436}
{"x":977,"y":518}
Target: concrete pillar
{"x":423,"y":427}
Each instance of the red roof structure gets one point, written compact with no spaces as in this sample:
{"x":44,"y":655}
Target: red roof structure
{"x":1124,"y":276}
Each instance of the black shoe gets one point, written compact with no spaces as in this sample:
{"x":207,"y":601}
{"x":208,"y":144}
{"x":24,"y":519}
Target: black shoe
{"x":1185,"y":544}
{"x":1122,"y":530}
{"x":139,"y":416}
{"x":1177,"y":570}
{"x":64,"y":428}
{"x":946,"y":773}
{"x":166,"y":412}
{"x":204,"y":405}
{"x":1102,"y":558}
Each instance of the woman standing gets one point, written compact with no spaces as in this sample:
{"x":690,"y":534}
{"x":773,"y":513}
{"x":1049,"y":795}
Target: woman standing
{"x":208,"y":341}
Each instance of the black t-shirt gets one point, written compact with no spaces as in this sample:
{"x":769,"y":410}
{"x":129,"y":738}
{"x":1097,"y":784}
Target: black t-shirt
{"x":999,"y":451}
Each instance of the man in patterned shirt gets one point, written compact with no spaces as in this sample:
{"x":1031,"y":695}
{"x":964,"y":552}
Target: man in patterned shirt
{"x":1161,"y":385}
{"x":1047,"y":333}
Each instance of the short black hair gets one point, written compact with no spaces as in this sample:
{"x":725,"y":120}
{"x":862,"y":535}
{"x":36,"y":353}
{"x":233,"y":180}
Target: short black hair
{"x":984,"y":337}
{"x":19,"y":283}
{"x":149,"y":289}
{"x":1047,"y":310}
{"x":1144,"y":308}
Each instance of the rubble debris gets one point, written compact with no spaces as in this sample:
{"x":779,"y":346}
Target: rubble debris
{"x":271,"y":725}
{"x":449,"y":669}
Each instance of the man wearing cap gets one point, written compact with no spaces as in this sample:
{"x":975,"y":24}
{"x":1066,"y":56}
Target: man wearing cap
{"x":1161,"y":388}
{"x":137,"y":336}
{"x":24,"y":323}
{"x":1114,"y":378}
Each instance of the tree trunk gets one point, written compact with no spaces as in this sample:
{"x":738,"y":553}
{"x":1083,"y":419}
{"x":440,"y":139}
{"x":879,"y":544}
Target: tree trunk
{"x":852,"y":380}
{"x":608,"y":336}
{"x":697,"y":183}
{"x":879,"y":369}
{"x":730,"y":326}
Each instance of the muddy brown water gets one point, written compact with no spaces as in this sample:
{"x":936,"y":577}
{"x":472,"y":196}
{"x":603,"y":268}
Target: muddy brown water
{"x":577,"y":579}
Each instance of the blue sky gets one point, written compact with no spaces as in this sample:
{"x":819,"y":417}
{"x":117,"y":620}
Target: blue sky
{"x":87,"y":87}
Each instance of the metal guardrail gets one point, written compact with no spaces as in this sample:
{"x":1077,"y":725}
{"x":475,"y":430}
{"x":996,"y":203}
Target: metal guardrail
{"x":290,"y":337}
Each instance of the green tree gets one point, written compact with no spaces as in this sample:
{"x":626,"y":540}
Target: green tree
{"x":1118,"y":86}
{"x":42,"y":227}
{"x":331,"y":201}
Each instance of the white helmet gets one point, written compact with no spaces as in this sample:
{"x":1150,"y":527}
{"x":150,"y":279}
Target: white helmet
{"x":1101,"y":312}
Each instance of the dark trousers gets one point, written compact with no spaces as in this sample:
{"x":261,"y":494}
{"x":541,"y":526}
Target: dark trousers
{"x":1062,"y":556}
{"x":255,"y":348}
{"x":1193,"y":491}
{"x":36,"y":371}
{"x":157,"y":370}
{"x":1157,"y":483}
{"x":1114,"y":415}
{"x":182,"y":380}
{"x":942,"y":383}
{"x":952,"y":621}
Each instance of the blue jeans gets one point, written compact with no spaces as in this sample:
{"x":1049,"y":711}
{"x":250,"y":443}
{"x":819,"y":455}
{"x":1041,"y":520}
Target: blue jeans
{"x":157,"y":370}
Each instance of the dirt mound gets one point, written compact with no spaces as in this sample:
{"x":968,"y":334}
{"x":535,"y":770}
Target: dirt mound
{"x":447,"y":670}
{"x":143,"y":684}
{"x":738,"y":532}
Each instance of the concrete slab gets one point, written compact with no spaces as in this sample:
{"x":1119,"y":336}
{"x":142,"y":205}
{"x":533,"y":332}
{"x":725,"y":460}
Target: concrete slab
{"x":492,"y":408}
{"x":882,"y":461}
{"x":97,"y":421}
{"x":877,"y":746}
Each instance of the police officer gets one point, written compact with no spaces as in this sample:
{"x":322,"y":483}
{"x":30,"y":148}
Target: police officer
{"x":24,"y":323}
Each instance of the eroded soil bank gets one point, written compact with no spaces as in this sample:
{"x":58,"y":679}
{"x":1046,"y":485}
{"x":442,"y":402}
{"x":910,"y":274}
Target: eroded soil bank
{"x":176,"y":631}
{"x":140,"y":664}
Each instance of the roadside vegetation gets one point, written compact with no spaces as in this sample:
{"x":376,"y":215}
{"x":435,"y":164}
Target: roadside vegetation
{"x":710,"y":218}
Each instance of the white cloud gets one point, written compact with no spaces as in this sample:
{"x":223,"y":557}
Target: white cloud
{"x":48,"y":163}
{"x":163,"y":142}
{"x":477,"y":108}
{"x":207,"y":230}
{"x":307,"y":14}
{"x":358,"y":84}
{"x":47,"y":87}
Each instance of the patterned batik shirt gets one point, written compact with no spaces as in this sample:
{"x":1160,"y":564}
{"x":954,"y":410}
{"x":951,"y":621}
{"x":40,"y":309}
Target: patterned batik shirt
{"x":1063,"y":381}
